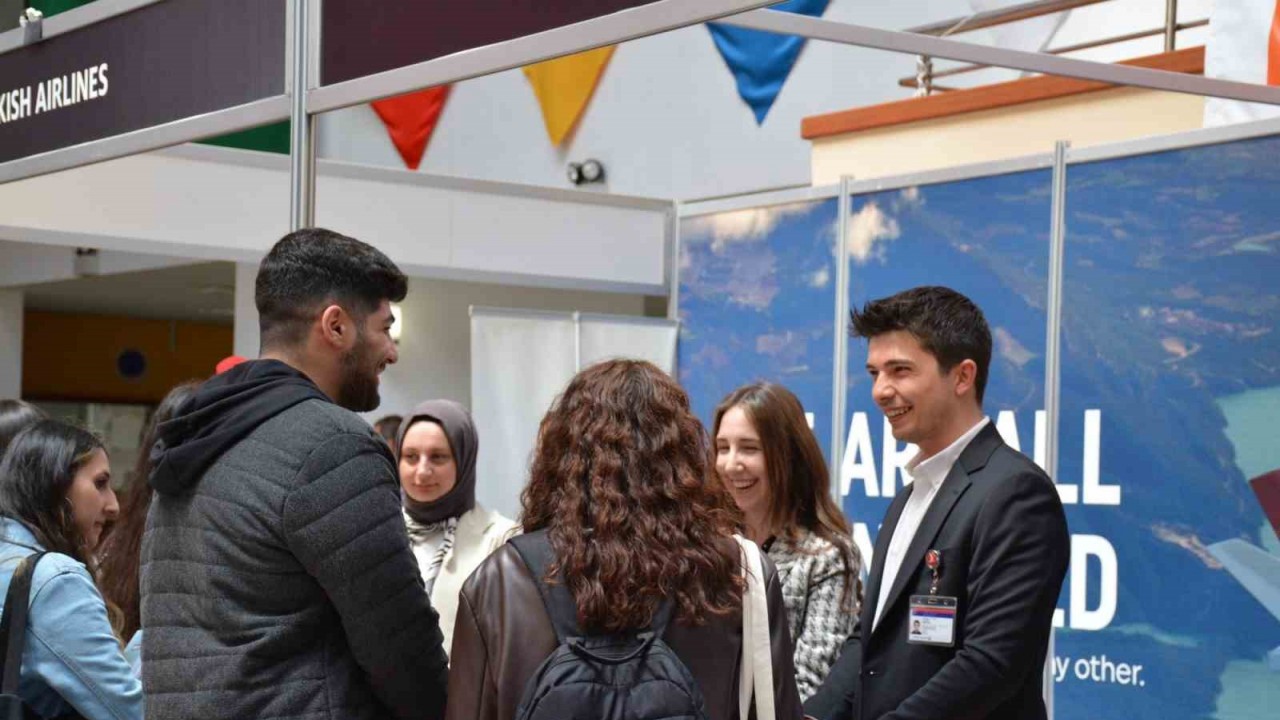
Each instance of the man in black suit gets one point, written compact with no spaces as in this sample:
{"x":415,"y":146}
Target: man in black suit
{"x":974,"y":549}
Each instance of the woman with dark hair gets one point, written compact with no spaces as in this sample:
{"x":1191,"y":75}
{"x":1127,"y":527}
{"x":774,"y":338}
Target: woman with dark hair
{"x":56,"y":497}
{"x":388,"y":428}
{"x":770,"y":462}
{"x":16,"y":416}
{"x":120,"y":554}
{"x":436,"y":450}
{"x":620,"y":488}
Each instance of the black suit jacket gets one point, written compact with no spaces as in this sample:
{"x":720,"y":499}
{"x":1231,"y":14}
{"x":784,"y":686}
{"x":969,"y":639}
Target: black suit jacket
{"x":999,"y":525}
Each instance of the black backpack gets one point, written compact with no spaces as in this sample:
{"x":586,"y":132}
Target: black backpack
{"x":13,"y":634}
{"x":618,"y":677}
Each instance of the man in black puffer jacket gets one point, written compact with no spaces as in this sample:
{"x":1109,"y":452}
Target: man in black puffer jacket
{"x":277,"y":578}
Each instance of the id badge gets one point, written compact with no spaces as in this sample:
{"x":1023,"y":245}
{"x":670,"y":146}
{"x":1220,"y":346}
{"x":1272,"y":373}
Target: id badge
{"x":932,"y":620}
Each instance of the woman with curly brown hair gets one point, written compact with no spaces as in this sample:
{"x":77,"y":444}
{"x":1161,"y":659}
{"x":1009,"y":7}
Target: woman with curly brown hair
{"x":769,"y":460}
{"x":621,"y":486}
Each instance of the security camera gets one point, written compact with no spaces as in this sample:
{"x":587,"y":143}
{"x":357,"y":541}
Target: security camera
{"x":587,"y":171}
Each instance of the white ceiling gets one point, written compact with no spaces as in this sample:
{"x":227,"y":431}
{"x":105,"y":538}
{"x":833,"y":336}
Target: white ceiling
{"x":202,"y":292}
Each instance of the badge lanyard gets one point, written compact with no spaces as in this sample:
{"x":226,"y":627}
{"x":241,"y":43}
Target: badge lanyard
{"x":933,"y":617}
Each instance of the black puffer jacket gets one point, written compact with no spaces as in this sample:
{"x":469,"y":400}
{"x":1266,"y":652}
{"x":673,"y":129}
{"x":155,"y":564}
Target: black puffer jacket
{"x":277,"y":577}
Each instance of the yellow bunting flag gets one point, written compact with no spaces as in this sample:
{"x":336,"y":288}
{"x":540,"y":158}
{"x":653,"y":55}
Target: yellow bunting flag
{"x":563,"y":87}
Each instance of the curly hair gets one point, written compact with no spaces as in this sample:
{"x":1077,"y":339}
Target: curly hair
{"x":620,"y":479}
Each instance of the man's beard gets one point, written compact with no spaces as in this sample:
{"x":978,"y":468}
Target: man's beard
{"x":358,"y":388}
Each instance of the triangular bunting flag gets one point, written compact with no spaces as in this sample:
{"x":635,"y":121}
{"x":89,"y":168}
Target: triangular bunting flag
{"x":564,"y":86}
{"x":411,"y":119}
{"x":761,"y":61}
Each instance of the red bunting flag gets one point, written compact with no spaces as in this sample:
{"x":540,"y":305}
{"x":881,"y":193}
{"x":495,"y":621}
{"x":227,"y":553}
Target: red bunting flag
{"x":411,"y":119}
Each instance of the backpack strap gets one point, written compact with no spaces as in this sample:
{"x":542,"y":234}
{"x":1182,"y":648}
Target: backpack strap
{"x":662,"y":618}
{"x":756,"y":673}
{"x":13,"y":623}
{"x":536,"y":552}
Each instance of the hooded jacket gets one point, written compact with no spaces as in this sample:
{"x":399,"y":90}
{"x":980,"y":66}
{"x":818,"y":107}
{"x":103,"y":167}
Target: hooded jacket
{"x":277,"y":577}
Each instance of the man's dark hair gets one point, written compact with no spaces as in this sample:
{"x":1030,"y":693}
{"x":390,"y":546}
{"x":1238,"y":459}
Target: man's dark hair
{"x":947,"y":324}
{"x":314,"y":267}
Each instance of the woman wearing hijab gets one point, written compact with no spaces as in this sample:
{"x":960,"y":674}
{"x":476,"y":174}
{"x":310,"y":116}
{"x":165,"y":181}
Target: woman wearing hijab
{"x":451,"y":534}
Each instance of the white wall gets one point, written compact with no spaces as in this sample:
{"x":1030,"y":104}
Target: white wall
{"x":666,"y":119}
{"x":244,"y":338}
{"x":435,"y":345}
{"x":31,"y":263}
{"x":1090,"y":119}
{"x":10,"y":344}
{"x":204,"y":202}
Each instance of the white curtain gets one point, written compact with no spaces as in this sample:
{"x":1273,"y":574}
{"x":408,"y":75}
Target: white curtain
{"x":520,"y":361}
{"x":614,"y":336}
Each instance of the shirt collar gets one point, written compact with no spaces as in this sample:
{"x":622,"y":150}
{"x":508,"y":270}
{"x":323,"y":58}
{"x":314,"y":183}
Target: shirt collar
{"x":17,"y":533}
{"x":932,"y":471}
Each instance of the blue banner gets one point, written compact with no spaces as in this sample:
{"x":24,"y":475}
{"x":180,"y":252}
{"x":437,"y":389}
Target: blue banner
{"x":1171,"y":394}
{"x":1169,"y":440}
{"x":987,"y":238}
{"x":757,"y":302}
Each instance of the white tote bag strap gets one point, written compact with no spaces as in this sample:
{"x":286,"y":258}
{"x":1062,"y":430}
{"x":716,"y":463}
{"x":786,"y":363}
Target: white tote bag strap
{"x":757,"y":651}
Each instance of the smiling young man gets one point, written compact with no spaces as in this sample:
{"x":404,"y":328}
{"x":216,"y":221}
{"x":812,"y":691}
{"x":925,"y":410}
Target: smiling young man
{"x":277,"y":575}
{"x":971,"y":556}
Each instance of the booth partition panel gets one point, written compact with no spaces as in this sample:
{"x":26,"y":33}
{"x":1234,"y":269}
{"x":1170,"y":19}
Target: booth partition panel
{"x":1170,"y":407}
{"x":986,"y":237}
{"x":757,"y":302}
{"x":521,"y":360}
{"x":1169,"y":428}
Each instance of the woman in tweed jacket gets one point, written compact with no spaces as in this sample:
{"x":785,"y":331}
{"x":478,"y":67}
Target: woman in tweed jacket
{"x":768,"y":458}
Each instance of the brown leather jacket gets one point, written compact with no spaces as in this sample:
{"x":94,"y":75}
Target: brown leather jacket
{"x":503,"y":634}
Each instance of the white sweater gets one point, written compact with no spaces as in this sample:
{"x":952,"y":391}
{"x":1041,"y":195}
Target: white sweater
{"x":479,"y":533}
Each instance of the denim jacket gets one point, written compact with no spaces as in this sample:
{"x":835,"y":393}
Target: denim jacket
{"x":71,"y":661}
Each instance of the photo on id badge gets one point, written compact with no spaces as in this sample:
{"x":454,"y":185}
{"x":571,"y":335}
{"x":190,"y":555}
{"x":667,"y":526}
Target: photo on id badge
{"x":933,"y":616}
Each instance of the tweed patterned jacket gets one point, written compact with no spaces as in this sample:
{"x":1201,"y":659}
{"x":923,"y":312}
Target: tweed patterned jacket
{"x":813,"y":583}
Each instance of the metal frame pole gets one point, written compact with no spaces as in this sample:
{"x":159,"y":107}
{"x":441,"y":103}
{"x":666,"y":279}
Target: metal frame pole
{"x":830,"y":31}
{"x":840,"y":339}
{"x":1053,"y":356}
{"x":577,"y":342}
{"x":673,"y":263}
{"x":302,"y":150}
{"x":1170,"y":25}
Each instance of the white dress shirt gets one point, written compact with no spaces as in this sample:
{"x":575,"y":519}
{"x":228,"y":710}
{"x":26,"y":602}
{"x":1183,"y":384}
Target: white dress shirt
{"x":926,"y":477}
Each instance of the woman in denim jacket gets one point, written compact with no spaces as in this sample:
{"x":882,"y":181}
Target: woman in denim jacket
{"x":56,"y":496}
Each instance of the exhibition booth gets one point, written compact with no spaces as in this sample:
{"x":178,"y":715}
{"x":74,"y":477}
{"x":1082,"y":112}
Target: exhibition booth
{"x":1128,"y":284}
{"x":1160,"y":301}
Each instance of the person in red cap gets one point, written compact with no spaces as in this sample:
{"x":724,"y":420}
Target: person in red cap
{"x":227,"y":363}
